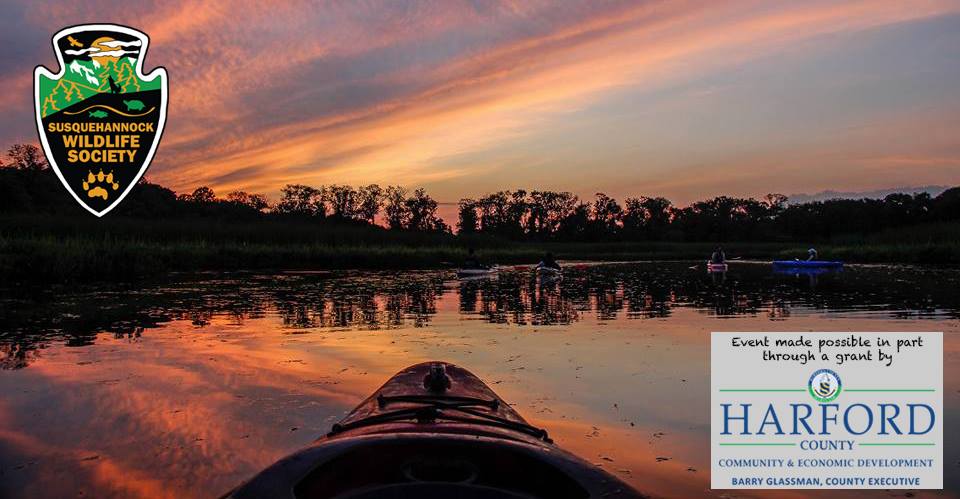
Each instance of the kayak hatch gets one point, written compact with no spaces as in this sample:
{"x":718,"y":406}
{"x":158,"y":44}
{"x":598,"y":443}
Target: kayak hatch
{"x":434,"y":430}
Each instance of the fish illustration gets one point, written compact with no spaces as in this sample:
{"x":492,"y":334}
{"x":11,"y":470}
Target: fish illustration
{"x":98,"y":114}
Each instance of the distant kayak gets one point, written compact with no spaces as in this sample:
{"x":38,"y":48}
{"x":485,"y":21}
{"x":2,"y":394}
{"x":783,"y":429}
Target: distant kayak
{"x":434,"y":430}
{"x":467,"y":273}
{"x":807,"y":271}
{"x":716,"y":267}
{"x":810,"y":264}
{"x":549,"y":272}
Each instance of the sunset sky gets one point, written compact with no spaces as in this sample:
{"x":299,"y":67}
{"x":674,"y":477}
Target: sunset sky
{"x":681,"y":99}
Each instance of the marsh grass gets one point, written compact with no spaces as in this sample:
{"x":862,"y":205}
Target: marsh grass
{"x":37,"y":248}
{"x":934,"y":243}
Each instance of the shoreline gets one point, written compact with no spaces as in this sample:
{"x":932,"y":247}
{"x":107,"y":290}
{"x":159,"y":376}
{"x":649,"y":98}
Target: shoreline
{"x":66,"y":258}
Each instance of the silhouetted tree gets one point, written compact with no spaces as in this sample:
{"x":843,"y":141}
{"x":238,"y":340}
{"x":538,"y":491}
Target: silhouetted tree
{"x":423,"y":213}
{"x":607,"y":215}
{"x":369,"y":199}
{"x":395,"y":208}
{"x":25,"y":187}
{"x":775,"y":203}
{"x":946,"y":206}
{"x":301,"y":200}
{"x":255,"y":202}
{"x":202,"y":194}
{"x":647,"y":218}
{"x":467,"y":219}
{"x":26,"y":157}
{"x":343,"y":201}
{"x":149,"y":200}
{"x":575,"y":226}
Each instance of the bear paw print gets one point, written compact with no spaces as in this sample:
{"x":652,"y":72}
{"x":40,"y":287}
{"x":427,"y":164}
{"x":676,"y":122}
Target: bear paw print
{"x":96,"y":185}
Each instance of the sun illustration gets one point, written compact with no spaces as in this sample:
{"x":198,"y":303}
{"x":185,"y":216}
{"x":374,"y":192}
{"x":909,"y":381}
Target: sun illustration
{"x":99,"y":43}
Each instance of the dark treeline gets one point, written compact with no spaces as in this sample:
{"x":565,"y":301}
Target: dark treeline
{"x":562,"y":216}
{"x":543,"y":216}
{"x":27,"y":186}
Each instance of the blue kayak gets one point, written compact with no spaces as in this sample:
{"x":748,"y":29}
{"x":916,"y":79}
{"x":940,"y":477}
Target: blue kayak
{"x":807,"y":264}
{"x":807,"y":271}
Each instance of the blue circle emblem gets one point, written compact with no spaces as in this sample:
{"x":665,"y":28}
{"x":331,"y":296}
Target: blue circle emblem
{"x":824,"y":385}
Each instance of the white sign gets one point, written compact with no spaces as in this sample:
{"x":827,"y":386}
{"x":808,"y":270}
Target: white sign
{"x":826,"y":410}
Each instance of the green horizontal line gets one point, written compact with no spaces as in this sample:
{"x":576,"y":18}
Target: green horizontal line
{"x":762,"y":390}
{"x":763,"y":445}
{"x":925,"y":444}
{"x":890,"y":390}
{"x":927,"y":390}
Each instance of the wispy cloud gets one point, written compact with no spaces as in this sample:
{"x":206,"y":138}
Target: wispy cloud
{"x":113,"y":53}
{"x":81,"y":51}
{"x":458,"y":95}
{"x":120,"y":43}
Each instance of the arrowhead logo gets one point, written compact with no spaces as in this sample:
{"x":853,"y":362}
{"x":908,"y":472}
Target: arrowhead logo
{"x":100,"y":118}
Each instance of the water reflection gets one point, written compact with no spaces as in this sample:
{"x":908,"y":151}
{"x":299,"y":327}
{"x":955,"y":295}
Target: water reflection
{"x":183,"y":388}
{"x":374,"y":301}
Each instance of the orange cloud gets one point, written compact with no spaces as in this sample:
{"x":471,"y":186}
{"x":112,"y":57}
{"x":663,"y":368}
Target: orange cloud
{"x":476,"y":102}
{"x":448,"y":94}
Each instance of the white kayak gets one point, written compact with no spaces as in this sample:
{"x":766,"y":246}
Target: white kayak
{"x":468,"y":273}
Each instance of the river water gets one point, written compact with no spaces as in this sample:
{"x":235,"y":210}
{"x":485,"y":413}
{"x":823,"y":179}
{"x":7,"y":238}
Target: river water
{"x":186,"y":387}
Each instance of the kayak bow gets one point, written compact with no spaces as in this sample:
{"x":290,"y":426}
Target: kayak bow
{"x":434,"y":430}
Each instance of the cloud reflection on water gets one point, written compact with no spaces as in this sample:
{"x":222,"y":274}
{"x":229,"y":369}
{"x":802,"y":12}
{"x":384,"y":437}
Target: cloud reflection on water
{"x":186,"y":388}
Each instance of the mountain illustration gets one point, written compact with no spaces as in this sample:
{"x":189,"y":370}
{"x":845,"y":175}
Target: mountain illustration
{"x":122,"y":72}
{"x":84,"y":79}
